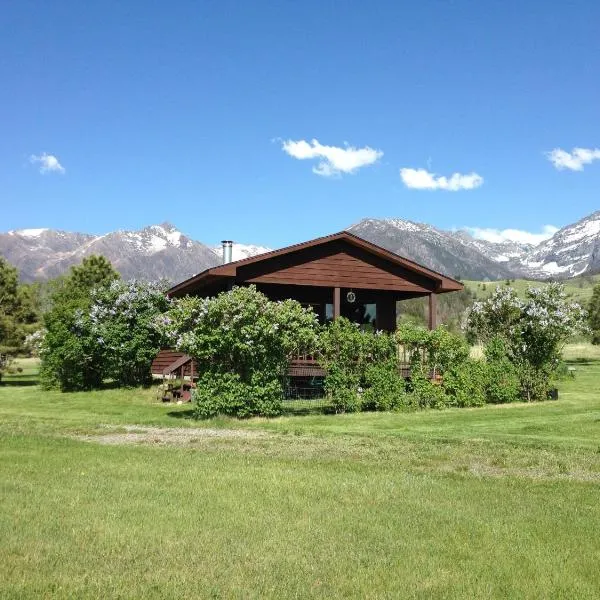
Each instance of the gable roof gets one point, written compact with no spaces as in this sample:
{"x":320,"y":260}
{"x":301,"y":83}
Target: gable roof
{"x":229,"y":270}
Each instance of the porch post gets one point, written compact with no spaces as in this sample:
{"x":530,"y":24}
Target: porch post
{"x":336,"y":302}
{"x":432,"y":310}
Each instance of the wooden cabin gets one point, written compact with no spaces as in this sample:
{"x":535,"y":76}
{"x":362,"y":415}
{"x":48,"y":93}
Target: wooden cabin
{"x":337,"y":275}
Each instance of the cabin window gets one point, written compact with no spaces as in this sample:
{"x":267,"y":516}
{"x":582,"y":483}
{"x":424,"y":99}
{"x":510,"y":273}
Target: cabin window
{"x":363,"y":314}
{"x":328,"y":313}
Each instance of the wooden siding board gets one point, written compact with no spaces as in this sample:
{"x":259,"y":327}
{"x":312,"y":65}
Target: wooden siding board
{"x":213,"y":280}
{"x":347,"y":284}
{"x":165,"y":358}
{"x":335,"y":265}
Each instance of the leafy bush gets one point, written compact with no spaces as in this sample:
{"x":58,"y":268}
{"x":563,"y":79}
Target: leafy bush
{"x":344,"y":399}
{"x":226,"y":394}
{"x":242,"y":342}
{"x":122,"y":319}
{"x":19,"y":310}
{"x":385,"y":389}
{"x":501,"y":381}
{"x":71,"y":357}
{"x":464,"y":384}
{"x":351,"y":357}
{"x":431,"y":351}
{"x":594,"y":315}
{"x":426,"y":393}
{"x":533,"y":331}
{"x":534,"y":382}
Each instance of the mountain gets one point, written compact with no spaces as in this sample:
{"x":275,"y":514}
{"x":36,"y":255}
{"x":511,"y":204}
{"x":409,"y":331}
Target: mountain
{"x":239,"y":251}
{"x":573,"y":250}
{"x":158,"y":251}
{"x":161,"y":251}
{"x":456,"y":254}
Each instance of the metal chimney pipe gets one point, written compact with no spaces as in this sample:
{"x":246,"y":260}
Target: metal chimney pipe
{"x":227,"y":246}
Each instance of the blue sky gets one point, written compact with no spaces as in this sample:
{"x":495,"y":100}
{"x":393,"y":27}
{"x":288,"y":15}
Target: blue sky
{"x":124,"y":114}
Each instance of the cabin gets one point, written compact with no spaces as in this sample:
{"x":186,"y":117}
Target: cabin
{"x":336,"y":275}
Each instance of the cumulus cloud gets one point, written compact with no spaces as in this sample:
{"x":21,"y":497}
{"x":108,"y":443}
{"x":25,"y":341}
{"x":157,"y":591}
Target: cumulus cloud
{"x":48,"y":163}
{"x":499,"y":236}
{"x":573,"y":160}
{"x":421,"y":179}
{"x":333,"y":160}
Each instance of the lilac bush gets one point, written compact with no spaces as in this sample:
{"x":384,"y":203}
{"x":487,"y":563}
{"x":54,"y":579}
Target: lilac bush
{"x":242,"y":342}
{"x":533,"y":330}
{"x":122,"y":319}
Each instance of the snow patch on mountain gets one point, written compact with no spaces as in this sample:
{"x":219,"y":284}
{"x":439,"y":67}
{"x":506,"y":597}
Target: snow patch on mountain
{"x":29,"y":233}
{"x":241,"y":251}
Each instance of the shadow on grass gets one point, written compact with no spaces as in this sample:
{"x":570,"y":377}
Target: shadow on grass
{"x":300,"y":411}
{"x":581,"y":361}
{"x":288,"y":411}
{"x":181,"y":414}
{"x":18,"y":382}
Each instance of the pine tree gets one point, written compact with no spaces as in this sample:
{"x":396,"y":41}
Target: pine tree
{"x":594,"y":315}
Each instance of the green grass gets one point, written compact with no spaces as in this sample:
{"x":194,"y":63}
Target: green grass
{"x":494,"y":502}
{"x":580,"y":288}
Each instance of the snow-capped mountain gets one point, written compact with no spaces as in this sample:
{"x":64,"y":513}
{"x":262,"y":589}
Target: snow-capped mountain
{"x":456,"y":254}
{"x":161,"y":251}
{"x":158,"y":251}
{"x":502,"y":252}
{"x":240,"y":251}
{"x":572,"y":250}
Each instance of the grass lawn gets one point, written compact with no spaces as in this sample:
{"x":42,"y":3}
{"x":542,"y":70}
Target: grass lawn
{"x":111,"y":494}
{"x":580,"y":288}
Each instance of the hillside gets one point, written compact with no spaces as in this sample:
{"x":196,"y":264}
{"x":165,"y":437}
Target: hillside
{"x":580,"y":287}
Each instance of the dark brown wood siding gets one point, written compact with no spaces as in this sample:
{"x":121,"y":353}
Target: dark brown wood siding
{"x":166,"y":358}
{"x":337,"y":264}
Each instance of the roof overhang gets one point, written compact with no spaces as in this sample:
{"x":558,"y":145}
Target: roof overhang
{"x":216,"y":276}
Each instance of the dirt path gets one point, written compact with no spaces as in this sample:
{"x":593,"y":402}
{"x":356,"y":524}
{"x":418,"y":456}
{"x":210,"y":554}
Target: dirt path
{"x":179,"y":436}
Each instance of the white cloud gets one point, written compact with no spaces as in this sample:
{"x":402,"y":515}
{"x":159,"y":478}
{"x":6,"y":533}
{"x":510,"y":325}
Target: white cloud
{"x":48,"y":163}
{"x":333,"y":159}
{"x":421,"y":179}
{"x":499,"y":236}
{"x":573,"y":160}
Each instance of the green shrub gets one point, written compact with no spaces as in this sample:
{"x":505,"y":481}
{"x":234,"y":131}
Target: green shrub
{"x":532,"y":330}
{"x":242,"y":342}
{"x":226,"y":394}
{"x":534,"y":383}
{"x":357,"y":359}
{"x":501,"y":381}
{"x":341,"y":386}
{"x":345,"y":400}
{"x":384,"y":388}
{"x":433,"y":351}
{"x":123,"y":318}
{"x":427,"y":394}
{"x":72,"y":357}
{"x":464,"y":384}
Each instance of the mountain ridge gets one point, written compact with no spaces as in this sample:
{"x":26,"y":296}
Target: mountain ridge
{"x":163,"y":251}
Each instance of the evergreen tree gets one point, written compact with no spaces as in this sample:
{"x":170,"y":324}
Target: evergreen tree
{"x":9,"y":302}
{"x":71,"y":356}
{"x":19,"y":309}
{"x":594,"y":314}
